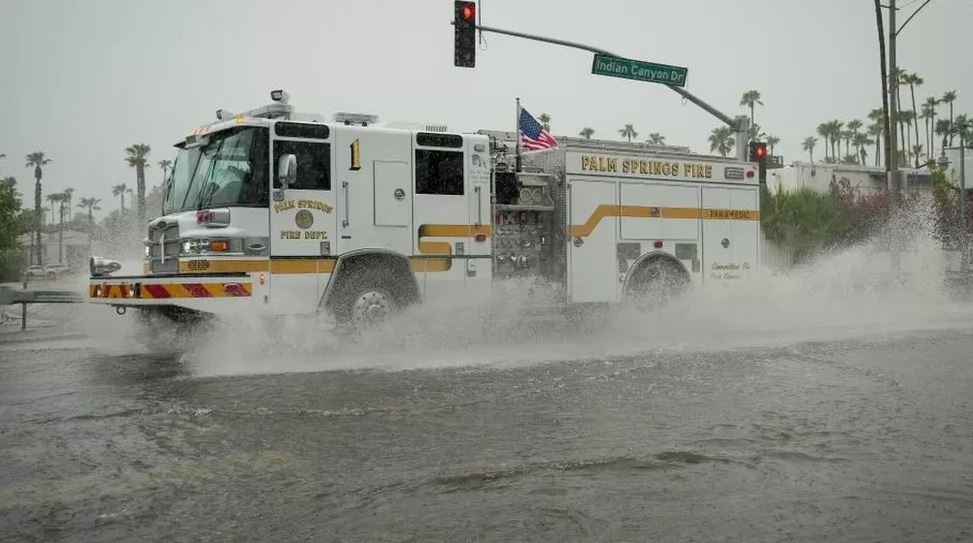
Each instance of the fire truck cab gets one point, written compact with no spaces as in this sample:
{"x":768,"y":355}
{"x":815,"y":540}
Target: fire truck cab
{"x":276,"y":212}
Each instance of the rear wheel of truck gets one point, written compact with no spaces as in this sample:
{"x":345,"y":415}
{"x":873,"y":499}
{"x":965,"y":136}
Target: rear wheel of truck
{"x":655,"y":283}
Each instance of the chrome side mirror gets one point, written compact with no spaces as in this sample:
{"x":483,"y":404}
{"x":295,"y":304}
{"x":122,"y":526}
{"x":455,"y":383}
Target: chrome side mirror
{"x":287,"y":170}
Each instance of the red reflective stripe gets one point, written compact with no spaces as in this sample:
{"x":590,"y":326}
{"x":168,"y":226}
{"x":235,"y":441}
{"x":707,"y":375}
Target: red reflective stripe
{"x":235,"y":289}
{"x":197,"y":290}
{"x":157,"y":291}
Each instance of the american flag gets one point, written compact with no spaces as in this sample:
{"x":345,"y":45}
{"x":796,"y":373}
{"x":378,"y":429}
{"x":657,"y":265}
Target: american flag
{"x":533,"y":135}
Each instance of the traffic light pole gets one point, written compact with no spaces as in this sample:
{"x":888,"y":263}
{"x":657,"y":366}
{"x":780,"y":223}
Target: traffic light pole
{"x":739,"y":124}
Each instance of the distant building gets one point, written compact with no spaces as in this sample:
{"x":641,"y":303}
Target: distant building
{"x":952,"y":166}
{"x":863,"y":179}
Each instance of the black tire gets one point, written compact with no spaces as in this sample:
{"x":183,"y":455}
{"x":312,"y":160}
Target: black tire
{"x":656,"y":283}
{"x":366,"y":298}
{"x":169,"y":329}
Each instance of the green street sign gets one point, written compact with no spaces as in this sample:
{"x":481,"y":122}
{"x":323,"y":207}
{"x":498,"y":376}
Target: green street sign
{"x":674,"y":76}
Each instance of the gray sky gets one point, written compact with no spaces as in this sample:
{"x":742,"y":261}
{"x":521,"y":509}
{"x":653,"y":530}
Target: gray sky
{"x":81,"y":80}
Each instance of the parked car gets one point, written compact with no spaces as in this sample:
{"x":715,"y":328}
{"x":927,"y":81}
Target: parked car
{"x":57,"y":270}
{"x":34,"y":271}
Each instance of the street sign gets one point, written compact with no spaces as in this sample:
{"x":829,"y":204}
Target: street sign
{"x":650,"y":72}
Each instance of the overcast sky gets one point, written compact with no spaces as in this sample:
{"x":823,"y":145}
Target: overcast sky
{"x":81,"y":80}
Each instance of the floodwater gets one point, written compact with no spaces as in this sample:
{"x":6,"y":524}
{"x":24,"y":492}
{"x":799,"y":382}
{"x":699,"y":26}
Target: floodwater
{"x":829,"y":405}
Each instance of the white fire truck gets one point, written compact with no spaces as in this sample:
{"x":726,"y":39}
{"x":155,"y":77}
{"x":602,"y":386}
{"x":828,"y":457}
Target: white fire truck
{"x":276,"y":212}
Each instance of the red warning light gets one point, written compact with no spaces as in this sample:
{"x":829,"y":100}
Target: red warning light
{"x":761,"y":151}
{"x":469,"y":11}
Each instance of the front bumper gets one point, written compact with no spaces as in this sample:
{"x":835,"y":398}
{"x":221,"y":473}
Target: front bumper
{"x":213,"y":293}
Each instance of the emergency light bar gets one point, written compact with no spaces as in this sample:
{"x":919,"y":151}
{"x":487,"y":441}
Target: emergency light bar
{"x":363,"y":119}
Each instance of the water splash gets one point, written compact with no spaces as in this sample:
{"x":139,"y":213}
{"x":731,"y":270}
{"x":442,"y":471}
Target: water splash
{"x":864,"y":290}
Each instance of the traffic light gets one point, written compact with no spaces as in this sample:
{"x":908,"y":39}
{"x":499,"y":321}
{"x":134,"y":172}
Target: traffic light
{"x":464,"y":27}
{"x":758,"y":154}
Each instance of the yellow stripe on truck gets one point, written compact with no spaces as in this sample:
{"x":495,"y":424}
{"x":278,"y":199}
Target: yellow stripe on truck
{"x":650,"y":212}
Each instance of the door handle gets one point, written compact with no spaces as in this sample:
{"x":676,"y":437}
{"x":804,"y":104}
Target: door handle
{"x":479,"y":206}
{"x":347,"y":220}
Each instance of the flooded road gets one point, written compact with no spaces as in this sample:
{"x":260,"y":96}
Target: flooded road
{"x":864,"y":438}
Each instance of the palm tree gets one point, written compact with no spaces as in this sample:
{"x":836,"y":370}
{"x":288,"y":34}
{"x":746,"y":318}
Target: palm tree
{"x":628,"y":132}
{"x":927,"y":114}
{"x":656,"y":139}
{"x":120,"y":190}
{"x":906,"y":117}
{"x":37,"y":161}
{"x":69,"y":194}
{"x":898,"y":77}
{"x":876,"y":131}
{"x":834,"y":133}
{"x":944,"y":129}
{"x":62,"y":198}
{"x":53,"y":199}
{"x":771,"y":142}
{"x":91,"y":204}
{"x":545,"y":120}
{"x":721,"y":140}
{"x":860,"y":140}
{"x":586,"y":133}
{"x":917,"y":152}
{"x":932,"y":102}
{"x":138,"y":158}
{"x":165,"y":165}
{"x":809,"y":143}
{"x":914,"y":81}
{"x":750,"y":99}
{"x":824,"y":130}
{"x":948,"y":98}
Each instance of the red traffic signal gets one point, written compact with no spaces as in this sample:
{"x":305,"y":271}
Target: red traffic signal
{"x":758,"y":151}
{"x":758,"y":154}
{"x":464,"y":29}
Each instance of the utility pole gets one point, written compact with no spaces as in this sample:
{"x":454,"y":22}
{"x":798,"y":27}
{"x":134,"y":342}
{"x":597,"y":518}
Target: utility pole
{"x":964,"y":263}
{"x":893,"y":173}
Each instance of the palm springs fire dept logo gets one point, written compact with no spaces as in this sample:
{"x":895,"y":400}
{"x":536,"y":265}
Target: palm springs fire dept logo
{"x":304,"y":219}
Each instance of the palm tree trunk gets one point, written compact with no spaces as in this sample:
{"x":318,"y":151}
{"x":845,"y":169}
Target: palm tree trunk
{"x":912,"y":89}
{"x":140,"y":180}
{"x":60,"y":236}
{"x":38,"y":221}
{"x":810,"y":153}
{"x":950,"y":124}
{"x":752,"y":119}
{"x":878,"y":149}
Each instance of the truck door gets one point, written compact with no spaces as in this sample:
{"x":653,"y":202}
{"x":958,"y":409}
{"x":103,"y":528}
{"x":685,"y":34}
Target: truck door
{"x":443,"y":226}
{"x":730,"y":233}
{"x":302,"y":218}
{"x":592,"y":267}
{"x":374,"y":178}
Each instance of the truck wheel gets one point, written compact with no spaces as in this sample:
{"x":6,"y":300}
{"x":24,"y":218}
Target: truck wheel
{"x":367,"y":300}
{"x":656,"y":283}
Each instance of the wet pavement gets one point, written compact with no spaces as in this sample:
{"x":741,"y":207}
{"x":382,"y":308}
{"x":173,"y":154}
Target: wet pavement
{"x":854,"y":439}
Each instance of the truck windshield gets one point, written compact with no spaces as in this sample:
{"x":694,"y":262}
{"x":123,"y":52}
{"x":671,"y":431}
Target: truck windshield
{"x":230,"y":170}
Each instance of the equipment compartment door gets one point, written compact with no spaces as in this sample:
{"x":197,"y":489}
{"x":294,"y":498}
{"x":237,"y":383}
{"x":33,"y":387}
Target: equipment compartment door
{"x":593,"y":228}
{"x":374,"y":189}
{"x":731,"y":228}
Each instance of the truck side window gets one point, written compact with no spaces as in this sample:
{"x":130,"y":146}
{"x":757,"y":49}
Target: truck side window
{"x":313,"y":163}
{"x":439,"y":172}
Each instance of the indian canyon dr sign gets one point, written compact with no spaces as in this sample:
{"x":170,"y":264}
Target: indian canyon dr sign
{"x":650,"y":72}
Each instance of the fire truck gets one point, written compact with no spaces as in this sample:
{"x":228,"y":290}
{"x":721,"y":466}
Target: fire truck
{"x":276,"y":212}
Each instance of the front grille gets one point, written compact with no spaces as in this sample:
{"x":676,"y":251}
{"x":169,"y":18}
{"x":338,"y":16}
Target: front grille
{"x":163,"y":239}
